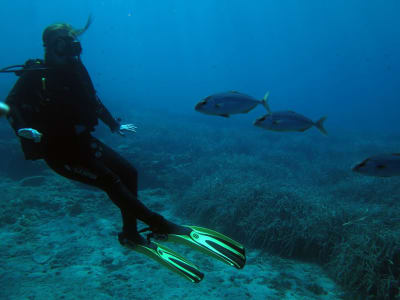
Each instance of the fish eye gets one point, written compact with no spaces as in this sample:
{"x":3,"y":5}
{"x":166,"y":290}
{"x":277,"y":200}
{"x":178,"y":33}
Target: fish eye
{"x":261,"y":119}
{"x":380,"y":167}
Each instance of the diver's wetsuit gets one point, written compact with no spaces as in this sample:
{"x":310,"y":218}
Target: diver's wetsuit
{"x":62,"y":105}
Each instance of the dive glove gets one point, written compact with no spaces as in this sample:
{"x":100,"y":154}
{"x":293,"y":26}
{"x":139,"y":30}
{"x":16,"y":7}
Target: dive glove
{"x":30,"y":133}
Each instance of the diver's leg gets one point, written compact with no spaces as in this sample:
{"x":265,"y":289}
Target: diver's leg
{"x":96,"y":170}
{"x":205,"y":240}
{"x":128,"y":175}
{"x":93,"y":172}
{"x":119,"y":165}
{"x":97,"y":177}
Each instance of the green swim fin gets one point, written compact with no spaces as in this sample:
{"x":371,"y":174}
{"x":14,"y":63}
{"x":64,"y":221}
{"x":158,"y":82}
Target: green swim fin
{"x":210,"y":242}
{"x":164,"y":256}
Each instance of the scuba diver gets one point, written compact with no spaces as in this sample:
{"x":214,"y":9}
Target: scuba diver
{"x":53,"y":108}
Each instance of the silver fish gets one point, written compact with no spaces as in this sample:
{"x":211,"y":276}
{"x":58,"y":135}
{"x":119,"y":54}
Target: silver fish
{"x":382,"y":165}
{"x":229,"y":103}
{"x":288,"y":121}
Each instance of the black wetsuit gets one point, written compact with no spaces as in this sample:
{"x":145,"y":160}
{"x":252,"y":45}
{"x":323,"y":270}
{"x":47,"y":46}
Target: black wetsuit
{"x":62,"y":105}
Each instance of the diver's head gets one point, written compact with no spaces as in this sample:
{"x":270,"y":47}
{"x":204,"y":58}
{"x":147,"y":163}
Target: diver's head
{"x":61,"y":43}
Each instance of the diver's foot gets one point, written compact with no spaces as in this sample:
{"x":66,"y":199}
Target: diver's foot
{"x":161,"y":226}
{"x":131,"y":239}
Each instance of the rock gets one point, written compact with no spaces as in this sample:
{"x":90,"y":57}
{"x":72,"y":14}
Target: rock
{"x":41,"y":258}
{"x":32,"y":181}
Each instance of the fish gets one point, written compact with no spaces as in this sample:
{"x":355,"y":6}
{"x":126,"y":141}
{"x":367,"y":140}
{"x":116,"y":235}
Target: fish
{"x":229,"y":103}
{"x":381,"y":165}
{"x":4,"y":109}
{"x":284,"y":121}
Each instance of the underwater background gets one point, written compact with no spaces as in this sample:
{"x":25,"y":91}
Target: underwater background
{"x":312,"y":228}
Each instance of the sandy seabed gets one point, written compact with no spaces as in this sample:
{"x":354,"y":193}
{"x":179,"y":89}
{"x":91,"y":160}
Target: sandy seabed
{"x":58,"y":249}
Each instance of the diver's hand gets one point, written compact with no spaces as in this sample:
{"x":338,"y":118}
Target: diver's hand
{"x":126,"y":127}
{"x":31,"y":134}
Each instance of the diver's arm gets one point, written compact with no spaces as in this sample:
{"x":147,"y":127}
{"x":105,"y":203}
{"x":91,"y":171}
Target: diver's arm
{"x":14,"y":116}
{"x":17,"y":100}
{"x":114,"y":125}
{"x":106,"y":117}
{"x":19,"y":126}
{"x":14,"y":106}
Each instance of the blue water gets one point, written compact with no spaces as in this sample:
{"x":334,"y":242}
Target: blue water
{"x":334,"y":58}
{"x":291,"y":194}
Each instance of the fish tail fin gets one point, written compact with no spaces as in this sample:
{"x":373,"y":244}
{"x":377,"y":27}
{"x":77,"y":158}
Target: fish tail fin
{"x":264,"y":102}
{"x":320,"y":125}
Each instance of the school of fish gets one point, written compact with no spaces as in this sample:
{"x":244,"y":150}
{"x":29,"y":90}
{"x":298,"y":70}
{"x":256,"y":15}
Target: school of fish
{"x":233,"y":102}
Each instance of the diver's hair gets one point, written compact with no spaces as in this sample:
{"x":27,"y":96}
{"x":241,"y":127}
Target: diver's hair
{"x":53,"y":30}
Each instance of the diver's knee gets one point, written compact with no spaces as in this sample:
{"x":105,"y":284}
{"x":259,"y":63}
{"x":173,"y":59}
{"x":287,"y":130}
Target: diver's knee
{"x":108,"y":180}
{"x":133,"y":174}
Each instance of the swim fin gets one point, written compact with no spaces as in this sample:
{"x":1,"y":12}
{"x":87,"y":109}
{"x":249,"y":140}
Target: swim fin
{"x":164,"y":256}
{"x":210,"y":242}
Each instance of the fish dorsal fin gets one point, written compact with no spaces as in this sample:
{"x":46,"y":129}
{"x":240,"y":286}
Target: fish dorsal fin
{"x":224,"y":115}
{"x":206,"y":99}
{"x":234,"y":92}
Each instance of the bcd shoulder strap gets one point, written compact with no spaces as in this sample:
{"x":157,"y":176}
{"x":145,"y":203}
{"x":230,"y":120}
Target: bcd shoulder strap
{"x":30,"y":65}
